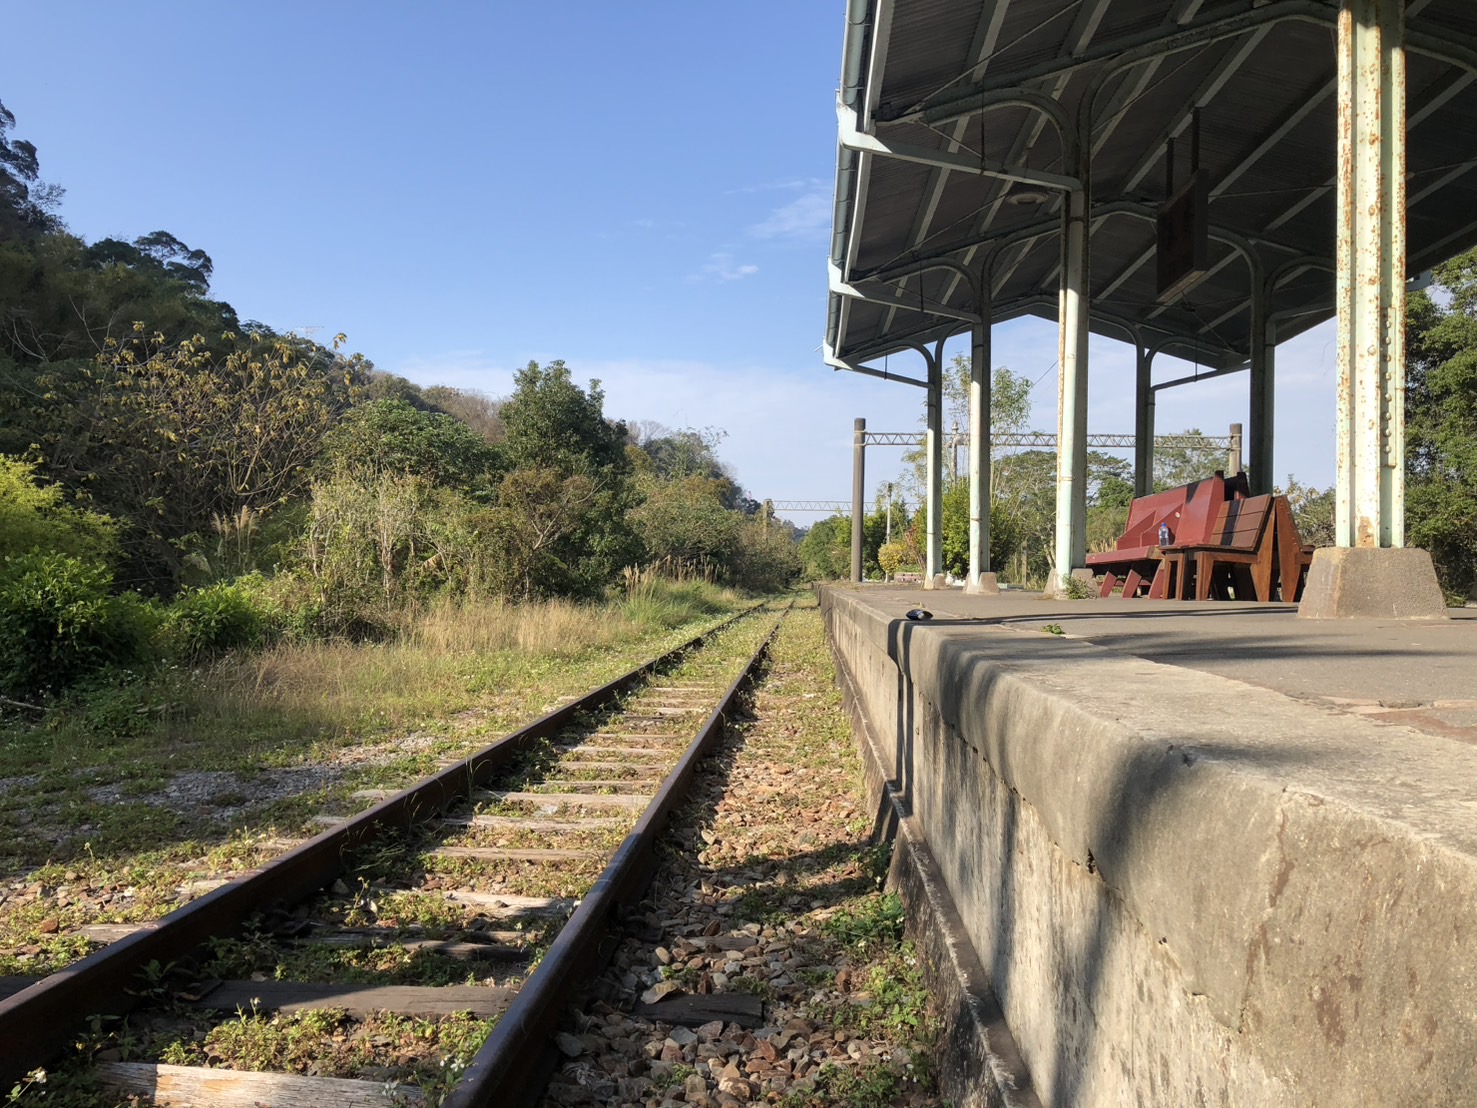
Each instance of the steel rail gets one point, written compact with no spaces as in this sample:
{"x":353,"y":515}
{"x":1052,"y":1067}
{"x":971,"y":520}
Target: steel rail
{"x":40,"y":1021}
{"x":514,"y":1063}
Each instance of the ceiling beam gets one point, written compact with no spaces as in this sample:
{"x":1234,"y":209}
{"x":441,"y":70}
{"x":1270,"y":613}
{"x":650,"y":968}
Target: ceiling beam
{"x":981,"y":48}
{"x":853,"y":138}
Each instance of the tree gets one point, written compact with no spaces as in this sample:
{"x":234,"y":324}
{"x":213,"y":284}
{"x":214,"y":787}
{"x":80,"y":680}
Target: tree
{"x":477,"y":410}
{"x":27,"y":204}
{"x":1180,"y":465}
{"x":1441,"y":423}
{"x":35,"y":517}
{"x":159,"y":254}
{"x":1312,"y":511}
{"x":552,"y":423}
{"x":174,"y":437}
{"x":825,"y":550}
{"x":684,"y":523}
{"x":557,"y":432}
{"x":392,"y":437}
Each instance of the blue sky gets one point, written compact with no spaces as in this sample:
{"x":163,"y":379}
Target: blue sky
{"x":643,"y":190}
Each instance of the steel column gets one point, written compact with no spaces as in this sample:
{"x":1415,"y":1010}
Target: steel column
{"x":934,"y":447}
{"x":1263,"y":370}
{"x":1370,"y":507}
{"x":1234,"y":462}
{"x":1143,"y":421}
{"x":1071,"y":470}
{"x":979,"y":444}
{"x":858,"y":491}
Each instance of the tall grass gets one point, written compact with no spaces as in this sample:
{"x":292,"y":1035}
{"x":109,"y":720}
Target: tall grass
{"x":440,"y":655}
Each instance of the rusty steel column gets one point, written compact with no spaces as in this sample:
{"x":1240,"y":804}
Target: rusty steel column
{"x":1143,"y":421}
{"x":934,"y":447}
{"x":1234,"y":461}
{"x":1071,"y":443}
{"x":979,"y":443}
{"x":1260,"y":411}
{"x":1370,"y":504}
{"x":858,"y":491}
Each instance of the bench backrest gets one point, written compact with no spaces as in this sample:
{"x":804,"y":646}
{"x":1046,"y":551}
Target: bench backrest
{"x":1240,"y":523}
{"x":1190,"y":510}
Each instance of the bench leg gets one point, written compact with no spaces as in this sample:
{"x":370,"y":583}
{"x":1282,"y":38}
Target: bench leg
{"x":1105,"y":590}
{"x":1159,"y":587}
{"x":1131,"y":583}
{"x":1204,"y":567}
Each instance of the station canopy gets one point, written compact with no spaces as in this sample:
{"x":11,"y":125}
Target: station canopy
{"x":952,"y":153}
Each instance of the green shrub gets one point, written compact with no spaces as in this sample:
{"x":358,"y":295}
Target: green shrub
{"x":35,"y":519}
{"x":58,"y":623}
{"x":213,"y":620}
{"x":653,"y":601}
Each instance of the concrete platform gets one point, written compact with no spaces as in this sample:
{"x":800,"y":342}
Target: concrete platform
{"x":1201,"y":853}
{"x":1416,"y":674}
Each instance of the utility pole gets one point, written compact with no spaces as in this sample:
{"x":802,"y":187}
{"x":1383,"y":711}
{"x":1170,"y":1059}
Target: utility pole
{"x":889,"y":511}
{"x":858,"y":486}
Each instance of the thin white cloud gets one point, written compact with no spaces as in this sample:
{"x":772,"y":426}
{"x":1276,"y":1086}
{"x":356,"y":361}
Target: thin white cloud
{"x":722,"y":267}
{"x":795,"y":184}
{"x":804,"y":219}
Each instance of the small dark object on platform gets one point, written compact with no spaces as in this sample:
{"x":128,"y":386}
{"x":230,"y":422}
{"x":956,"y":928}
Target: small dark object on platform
{"x":919,"y":613}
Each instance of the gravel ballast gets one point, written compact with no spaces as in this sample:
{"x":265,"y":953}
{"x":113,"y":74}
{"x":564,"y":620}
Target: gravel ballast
{"x":768,"y":909}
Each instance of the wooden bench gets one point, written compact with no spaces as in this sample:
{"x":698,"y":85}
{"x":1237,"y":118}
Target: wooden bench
{"x":1237,"y":558}
{"x":1255,"y":553}
{"x":1189,"y":511}
{"x":1293,"y":555}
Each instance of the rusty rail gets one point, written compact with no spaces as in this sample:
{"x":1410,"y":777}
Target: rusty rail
{"x":38,"y":1022}
{"x":514,"y":1063}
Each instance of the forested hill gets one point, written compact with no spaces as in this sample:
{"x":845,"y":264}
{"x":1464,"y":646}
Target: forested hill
{"x":153,"y":445}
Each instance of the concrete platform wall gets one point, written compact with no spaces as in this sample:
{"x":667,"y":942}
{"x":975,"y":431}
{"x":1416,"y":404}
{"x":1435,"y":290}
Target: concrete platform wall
{"x":1183,"y":889}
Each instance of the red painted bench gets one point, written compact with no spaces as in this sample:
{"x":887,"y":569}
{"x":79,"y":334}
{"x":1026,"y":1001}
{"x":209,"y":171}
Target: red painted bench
{"x":1190,"y":512}
{"x":1254,"y":553}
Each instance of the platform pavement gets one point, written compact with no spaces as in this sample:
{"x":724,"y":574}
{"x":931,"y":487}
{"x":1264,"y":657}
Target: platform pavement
{"x":1192,"y":856}
{"x":1421,"y":675}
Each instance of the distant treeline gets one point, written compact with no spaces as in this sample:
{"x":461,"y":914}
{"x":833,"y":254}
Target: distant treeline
{"x":160,"y":455}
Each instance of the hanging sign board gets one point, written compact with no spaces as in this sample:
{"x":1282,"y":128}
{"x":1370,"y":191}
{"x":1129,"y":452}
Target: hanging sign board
{"x":1183,"y":238}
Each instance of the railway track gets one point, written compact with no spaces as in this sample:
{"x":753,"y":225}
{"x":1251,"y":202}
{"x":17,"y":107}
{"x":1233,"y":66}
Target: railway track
{"x":506,"y":869}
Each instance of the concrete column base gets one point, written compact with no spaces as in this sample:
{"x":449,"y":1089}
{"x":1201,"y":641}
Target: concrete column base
{"x":989,"y":585}
{"x":1372,"y":583}
{"x":937,"y":581}
{"x":1057,"y":589}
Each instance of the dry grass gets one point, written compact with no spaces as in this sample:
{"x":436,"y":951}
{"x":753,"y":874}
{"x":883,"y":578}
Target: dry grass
{"x":554,"y":627}
{"x":442,"y":655}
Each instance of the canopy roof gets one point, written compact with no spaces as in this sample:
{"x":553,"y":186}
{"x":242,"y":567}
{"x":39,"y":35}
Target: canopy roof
{"x":957,"y":120}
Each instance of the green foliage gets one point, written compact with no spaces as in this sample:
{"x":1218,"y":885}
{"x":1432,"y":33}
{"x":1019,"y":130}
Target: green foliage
{"x":653,"y":601}
{"x":1180,"y":465}
{"x":877,"y":925}
{"x":560,"y":526}
{"x":551,"y":423}
{"x":34,"y":517}
{"x":1312,"y":511}
{"x":1441,"y":424}
{"x":180,"y":439}
{"x":825,"y":551}
{"x":684,"y":524}
{"x":215,"y":619}
{"x":764,"y":560}
{"x":58,"y":622}
{"x":548,"y":536}
{"x":375,"y":543}
{"x":890,"y":557}
{"x":27,"y":204}
{"x":392,"y":437}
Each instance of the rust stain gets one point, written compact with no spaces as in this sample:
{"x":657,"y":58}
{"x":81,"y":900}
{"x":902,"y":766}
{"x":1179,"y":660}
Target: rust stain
{"x":1330,"y":1016}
